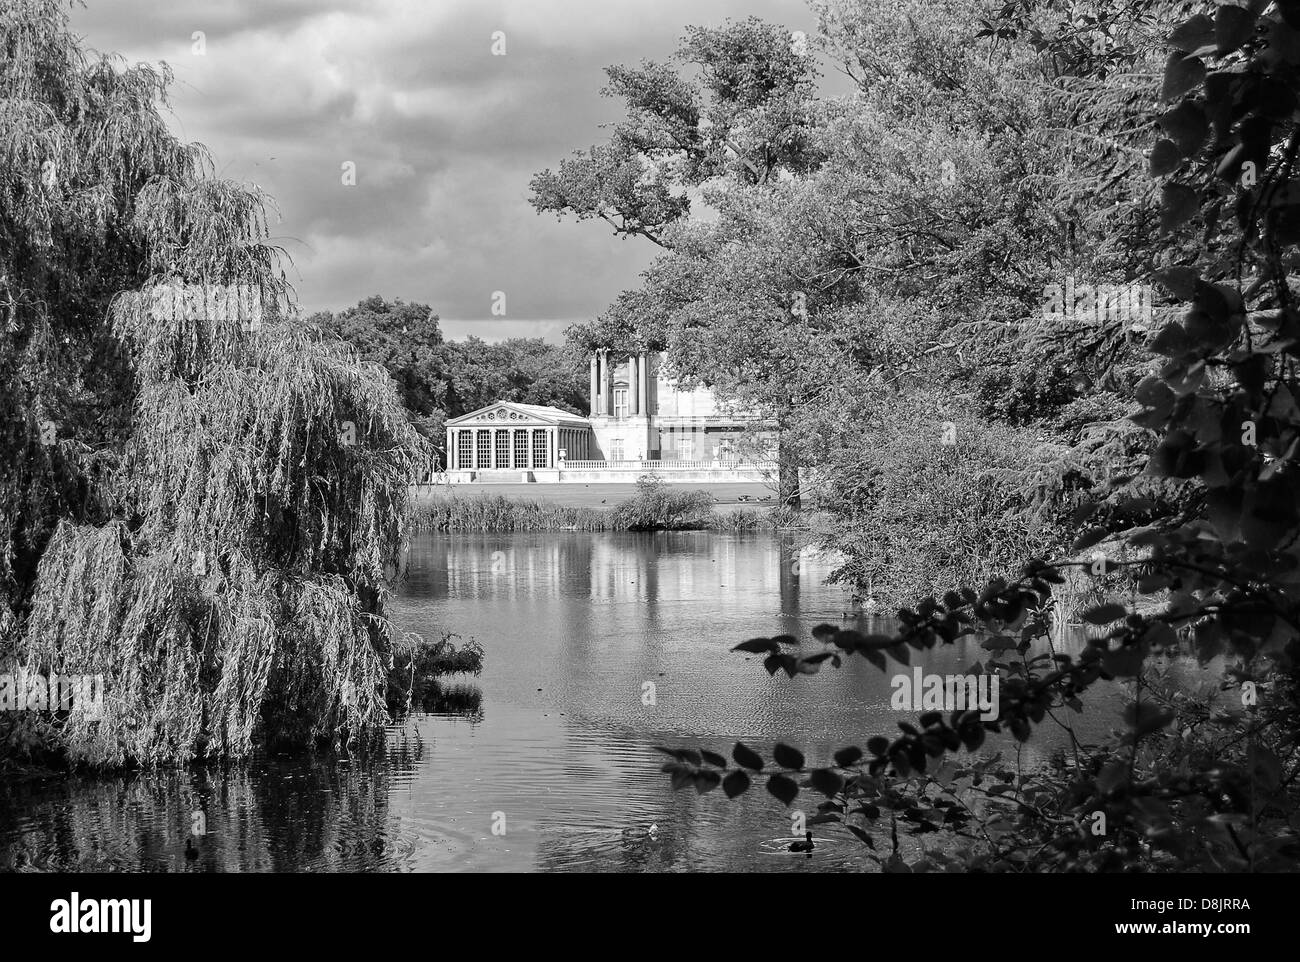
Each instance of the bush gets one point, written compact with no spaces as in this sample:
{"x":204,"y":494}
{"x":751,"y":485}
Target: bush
{"x":419,"y":663}
{"x":656,"y":507}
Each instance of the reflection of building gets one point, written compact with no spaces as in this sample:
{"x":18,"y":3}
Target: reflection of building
{"x":640,"y":422}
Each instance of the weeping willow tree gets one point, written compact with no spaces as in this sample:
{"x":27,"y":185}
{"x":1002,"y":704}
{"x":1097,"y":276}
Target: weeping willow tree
{"x":201,"y":498}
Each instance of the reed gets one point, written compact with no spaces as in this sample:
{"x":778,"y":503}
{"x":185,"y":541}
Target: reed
{"x":441,"y":513}
{"x":673,"y":511}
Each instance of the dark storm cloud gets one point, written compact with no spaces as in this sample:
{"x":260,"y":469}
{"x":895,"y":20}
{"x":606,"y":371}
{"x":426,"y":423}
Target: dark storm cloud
{"x":445,"y":136}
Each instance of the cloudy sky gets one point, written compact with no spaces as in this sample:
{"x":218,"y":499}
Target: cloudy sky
{"x":444,"y":135}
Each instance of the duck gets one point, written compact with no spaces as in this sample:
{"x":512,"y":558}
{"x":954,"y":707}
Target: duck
{"x":805,"y":846}
{"x":191,"y":852}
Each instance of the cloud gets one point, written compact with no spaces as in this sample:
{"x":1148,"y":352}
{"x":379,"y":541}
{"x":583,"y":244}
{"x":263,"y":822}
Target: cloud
{"x":444,"y":135}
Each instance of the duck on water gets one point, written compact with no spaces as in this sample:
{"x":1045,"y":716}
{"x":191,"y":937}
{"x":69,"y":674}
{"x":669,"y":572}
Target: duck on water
{"x":805,"y":846}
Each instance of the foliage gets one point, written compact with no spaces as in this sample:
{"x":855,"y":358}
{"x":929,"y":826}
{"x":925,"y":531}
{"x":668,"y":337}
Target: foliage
{"x":1195,"y":780}
{"x":928,"y":495}
{"x":441,"y":379}
{"x":202,"y":500}
{"x":418,"y":664}
{"x":653,"y":508}
{"x":438,"y":512}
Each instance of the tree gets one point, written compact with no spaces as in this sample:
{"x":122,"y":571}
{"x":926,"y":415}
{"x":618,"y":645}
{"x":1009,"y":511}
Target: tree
{"x":1192,"y":784}
{"x":743,"y":120}
{"x":202,"y":500}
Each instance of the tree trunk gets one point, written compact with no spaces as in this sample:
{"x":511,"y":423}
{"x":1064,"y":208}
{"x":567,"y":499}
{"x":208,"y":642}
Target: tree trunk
{"x":787,"y":468}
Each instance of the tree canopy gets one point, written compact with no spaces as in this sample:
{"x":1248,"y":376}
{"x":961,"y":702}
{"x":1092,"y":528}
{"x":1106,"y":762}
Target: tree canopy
{"x":201,"y":498}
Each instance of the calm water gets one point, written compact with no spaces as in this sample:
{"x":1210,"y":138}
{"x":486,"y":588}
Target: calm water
{"x":554,"y":740}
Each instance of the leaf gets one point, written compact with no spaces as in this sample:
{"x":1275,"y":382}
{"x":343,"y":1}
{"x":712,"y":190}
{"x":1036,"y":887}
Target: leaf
{"x":1178,"y":281}
{"x":1232,"y":27}
{"x":1165,"y":158}
{"x":706,"y":780}
{"x":1193,"y":34}
{"x":736,"y":783}
{"x":758,"y":645}
{"x":713,"y":758}
{"x":1187,"y":125}
{"x":1124,"y":662}
{"x":1090,"y":537}
{"x":1177,"y":205}
{"x":783,"y":788}
{"x":848,"y":756}
{"x":681,"y":775}
{"x":827,"y":781}
{"x":787,"y":757}
{"x":825,"y":633}
{"x":746,"y":757}
{"x":1181,"y":75}
{"x":878,"y":745}
{"x":866,"y":839}
{"x":1104,"y":614}
{"x":1143,"y":718}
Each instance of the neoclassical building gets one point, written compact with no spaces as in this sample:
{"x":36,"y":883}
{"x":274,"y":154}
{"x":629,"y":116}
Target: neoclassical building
{"x":507,"y":436}
{"x":640,"y":420}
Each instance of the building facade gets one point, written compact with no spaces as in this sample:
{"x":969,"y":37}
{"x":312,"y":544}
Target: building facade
{"x":515,"y":438}
{"x":640,"y":421}
{"x":639,"y":414}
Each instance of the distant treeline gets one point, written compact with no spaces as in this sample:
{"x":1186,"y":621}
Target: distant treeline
{"x":439,"y":379}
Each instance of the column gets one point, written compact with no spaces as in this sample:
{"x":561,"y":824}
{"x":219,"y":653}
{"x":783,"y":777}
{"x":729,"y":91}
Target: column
{"x":595,"y":383}
{"x":600,"y":384}
{"x":633,"y":385}
{"x":643,"y":381}
{"x":451,"y":449}
{"x":607,"y":386}
{"x":553,"y":434}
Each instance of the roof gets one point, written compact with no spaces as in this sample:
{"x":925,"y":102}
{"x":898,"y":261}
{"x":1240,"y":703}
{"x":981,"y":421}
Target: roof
{"x":508,"y":411}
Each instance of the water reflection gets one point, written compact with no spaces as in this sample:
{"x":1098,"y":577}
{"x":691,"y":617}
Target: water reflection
{"x":598,"y":647}
{"x":316,"y":814}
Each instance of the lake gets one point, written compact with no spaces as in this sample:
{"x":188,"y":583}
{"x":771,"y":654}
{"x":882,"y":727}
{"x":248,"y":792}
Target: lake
{"x":598,"y":648}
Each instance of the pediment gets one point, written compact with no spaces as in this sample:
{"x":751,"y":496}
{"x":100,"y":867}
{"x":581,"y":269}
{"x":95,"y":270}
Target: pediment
{"x":500,"y":414}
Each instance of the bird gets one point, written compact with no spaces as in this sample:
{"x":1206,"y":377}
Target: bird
{"x":191,"y":852}
{"x":805,"y":846}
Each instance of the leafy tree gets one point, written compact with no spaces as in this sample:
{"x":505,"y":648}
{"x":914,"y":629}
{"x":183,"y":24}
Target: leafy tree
{"x":744,"y":119}
{"x":1195,"y":782}
{"x":441,"y":379}
{"x":201,"y":499}
{"x":403,"y":338}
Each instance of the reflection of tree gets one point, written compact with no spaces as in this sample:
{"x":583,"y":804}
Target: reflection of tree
{"x":317,"y":813}
{"x":788,"y":576}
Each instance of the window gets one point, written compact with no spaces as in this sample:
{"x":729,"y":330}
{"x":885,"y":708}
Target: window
{"x":616,"y":449}
{"x":686,"y":448}
{"x":502,"y":449}
{"x":521,"y":448}
{"x":464,"y":449}
{"x":620,"y":403}
{"x":541,"y":450}
{"x":483,"y":454}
